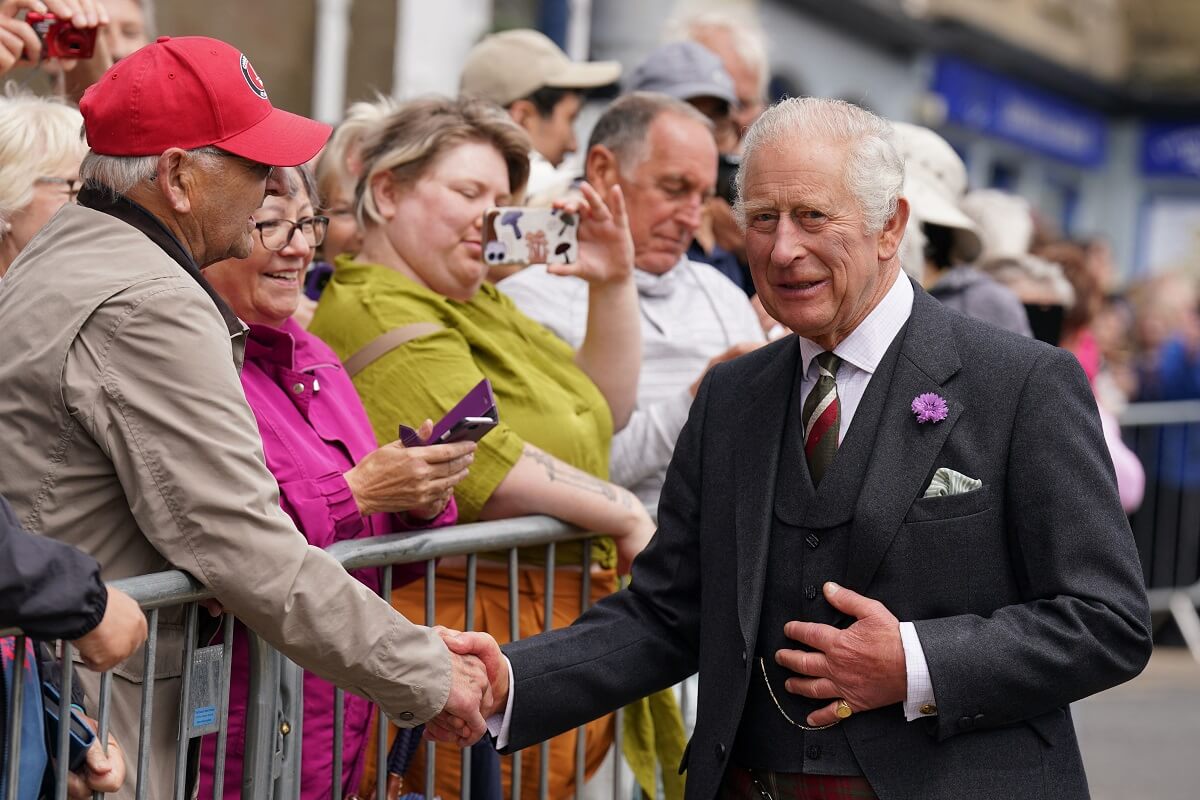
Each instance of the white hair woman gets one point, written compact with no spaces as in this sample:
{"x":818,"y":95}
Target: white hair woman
{"x":40,"y":150}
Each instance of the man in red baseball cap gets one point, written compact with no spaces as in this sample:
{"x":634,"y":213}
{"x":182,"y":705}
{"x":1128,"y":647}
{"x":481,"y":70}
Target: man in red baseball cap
{"x":125,"y":425}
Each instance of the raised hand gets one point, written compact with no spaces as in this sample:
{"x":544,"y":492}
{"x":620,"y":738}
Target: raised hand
{"x":605,"y":243}
{"x":416,"y":479}
{"x":122,"y":630}
{"x":863,"y":664}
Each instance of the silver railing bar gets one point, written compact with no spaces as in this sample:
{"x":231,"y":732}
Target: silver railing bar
{"x":103,"y":714}
{"x":145,"y":727}
{"x":64,"y":730}
{"x":339,"y":726}
{"x":1171,"y":412}
{"x":381,"y":730}
{"x":464,"y":756}
{"x":223,"y":733}
{"x":585,"y":597}
{"x":514,"y":634}
{"x":185,"y":694}
{"x":430,"y":621}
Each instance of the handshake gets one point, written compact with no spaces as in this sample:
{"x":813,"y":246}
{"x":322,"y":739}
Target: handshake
{"x":478,"y":688}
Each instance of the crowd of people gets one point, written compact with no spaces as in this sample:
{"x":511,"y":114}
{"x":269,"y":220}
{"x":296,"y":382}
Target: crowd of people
{"x":218,"y":313}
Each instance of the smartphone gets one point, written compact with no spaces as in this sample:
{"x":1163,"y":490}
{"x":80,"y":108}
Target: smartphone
{"x":81,"y":735}
{"x":520,"y":235}
{"x":466,"y":421}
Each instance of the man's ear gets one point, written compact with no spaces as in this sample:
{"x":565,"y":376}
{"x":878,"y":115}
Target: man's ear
{"x":384,"y":192}
{"x":522,"y":111}
{"x":893,"y":232}
{"x":602,"y":169}
{"x":176,"y":179}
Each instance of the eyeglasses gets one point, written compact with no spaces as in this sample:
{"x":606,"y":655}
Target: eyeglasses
{"x":73,"y":184}
{"x":275,"y":234}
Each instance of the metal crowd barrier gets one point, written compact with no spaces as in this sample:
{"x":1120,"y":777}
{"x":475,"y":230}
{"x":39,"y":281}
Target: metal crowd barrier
{"x":274,"y":721}
{"x":1166,"y":527}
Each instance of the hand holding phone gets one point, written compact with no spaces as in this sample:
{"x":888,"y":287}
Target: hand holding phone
{"x":469,"y":420}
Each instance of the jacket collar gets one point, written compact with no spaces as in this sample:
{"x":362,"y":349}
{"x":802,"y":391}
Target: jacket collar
{"x":132,"y":214}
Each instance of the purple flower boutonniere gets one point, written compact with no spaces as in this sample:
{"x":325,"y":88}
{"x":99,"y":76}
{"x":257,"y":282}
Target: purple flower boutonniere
{"x":929,"y":407}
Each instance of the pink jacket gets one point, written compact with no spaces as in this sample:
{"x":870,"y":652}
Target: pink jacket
{"x":314,"y":429}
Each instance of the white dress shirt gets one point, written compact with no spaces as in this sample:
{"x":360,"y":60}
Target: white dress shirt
{"x":861,"y":353}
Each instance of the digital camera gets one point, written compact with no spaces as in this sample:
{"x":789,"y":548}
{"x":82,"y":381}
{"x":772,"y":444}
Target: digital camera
{"x":61,"y":39}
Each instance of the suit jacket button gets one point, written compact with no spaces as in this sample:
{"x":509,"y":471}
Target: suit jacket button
{"x":812,"y":540}
{"x":978,"y":718}
{"x":810,"y":592}
{"x":813,"y":752}
{"x":720,"y":748}
{"x":745,"y":657}
{"x":965,"y":723}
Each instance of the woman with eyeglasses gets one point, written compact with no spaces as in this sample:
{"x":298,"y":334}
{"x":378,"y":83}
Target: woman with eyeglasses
{"x":40,"y":153}
{"x":334,"y":481}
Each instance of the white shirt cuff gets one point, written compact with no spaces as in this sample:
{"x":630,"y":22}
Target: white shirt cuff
{"x":497,"y":724}
{"x":920,"y":701}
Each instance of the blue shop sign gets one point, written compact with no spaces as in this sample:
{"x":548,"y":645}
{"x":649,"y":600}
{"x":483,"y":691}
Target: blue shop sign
{"x":982,"y":100}
{"x":1171,"y":150}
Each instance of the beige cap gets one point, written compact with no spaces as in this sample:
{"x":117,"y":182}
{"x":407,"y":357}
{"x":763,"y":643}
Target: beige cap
{"x":508,"y":66}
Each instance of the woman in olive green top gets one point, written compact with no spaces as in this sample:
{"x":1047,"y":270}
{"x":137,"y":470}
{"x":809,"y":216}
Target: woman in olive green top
{"x":430,"y":170}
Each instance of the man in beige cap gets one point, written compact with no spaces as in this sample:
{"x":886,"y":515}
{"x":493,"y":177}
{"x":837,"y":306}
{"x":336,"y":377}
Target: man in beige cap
{"x":542,"y":90}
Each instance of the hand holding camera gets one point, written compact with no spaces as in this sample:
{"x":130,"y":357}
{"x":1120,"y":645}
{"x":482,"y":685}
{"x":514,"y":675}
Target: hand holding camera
{"x":64,"y":30}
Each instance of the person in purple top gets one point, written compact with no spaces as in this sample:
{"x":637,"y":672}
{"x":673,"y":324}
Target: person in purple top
{"x":334,"y":479}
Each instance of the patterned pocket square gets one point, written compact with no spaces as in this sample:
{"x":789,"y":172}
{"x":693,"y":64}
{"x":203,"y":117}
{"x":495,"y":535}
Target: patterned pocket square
{"x":948,"y":482}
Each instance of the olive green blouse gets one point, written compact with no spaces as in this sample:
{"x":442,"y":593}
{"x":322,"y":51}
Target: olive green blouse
{"x":542,"y":397}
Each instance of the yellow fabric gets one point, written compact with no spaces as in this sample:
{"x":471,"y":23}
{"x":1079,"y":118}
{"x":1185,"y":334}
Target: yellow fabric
{"x":542,"y":397}
{"x":653,"y":732}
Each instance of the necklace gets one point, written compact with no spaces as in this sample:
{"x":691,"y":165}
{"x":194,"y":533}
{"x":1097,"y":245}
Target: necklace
{"x":762,"y":665}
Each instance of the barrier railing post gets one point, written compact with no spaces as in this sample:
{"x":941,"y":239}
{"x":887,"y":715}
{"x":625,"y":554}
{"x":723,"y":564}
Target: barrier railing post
{"x":585,"y":597}
{"x":514,"y":634}
{"x":146,"y":726}
{"x":62,"y":746}
{"x":223,"y":733}
{"x":261,"y":707}
{"x":181,"y":749}
{"x":430,"y":620}
{"x":381,"y":730}
{"x":103,"y":712}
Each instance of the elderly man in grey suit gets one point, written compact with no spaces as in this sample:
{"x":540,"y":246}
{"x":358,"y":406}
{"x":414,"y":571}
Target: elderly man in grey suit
{"x":892,"y":545}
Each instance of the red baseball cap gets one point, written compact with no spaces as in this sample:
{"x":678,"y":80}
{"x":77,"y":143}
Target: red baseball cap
{"x":193,"y":92}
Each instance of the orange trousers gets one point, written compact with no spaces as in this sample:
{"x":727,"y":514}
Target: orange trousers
{"x":491,"y":615}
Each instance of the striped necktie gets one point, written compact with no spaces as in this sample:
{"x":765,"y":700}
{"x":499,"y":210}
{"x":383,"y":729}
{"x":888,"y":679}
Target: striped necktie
{"x":822,"y":418}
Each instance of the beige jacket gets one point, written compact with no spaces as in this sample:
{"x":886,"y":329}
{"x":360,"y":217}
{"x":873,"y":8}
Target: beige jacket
{"x":126,"y":433}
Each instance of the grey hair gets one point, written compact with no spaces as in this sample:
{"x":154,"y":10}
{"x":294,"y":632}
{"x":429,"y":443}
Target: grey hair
{"x":873,"y":172}
{"x":748,"y":39}
{"x":38,"y":136}
{"x":119,"y":174}
{"x":625,"y":125}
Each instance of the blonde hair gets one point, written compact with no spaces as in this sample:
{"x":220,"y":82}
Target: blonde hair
{"x":408,"y":141}
{"x":340,"y":162}
{"x":38,"y":136}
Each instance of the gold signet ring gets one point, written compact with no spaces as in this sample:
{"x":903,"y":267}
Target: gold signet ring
{"x":843,"y":709}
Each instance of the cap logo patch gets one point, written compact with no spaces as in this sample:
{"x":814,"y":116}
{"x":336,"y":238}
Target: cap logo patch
{"x":252,"y":80}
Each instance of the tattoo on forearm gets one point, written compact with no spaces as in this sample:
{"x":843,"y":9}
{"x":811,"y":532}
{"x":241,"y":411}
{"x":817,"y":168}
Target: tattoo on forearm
{"x":558,"y":472}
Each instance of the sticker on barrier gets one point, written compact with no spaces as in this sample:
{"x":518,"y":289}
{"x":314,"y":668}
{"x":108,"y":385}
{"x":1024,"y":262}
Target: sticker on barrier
{"x":206,"y":691}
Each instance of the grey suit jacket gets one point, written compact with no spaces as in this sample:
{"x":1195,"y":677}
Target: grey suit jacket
{"x":1027,"y":594}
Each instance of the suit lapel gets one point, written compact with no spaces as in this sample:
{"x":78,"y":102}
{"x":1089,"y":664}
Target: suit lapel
{"x":761,"y":423}
{"x":904,"y":451}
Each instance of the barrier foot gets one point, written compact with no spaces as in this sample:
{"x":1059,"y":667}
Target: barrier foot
{"x":1184,"y":612}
